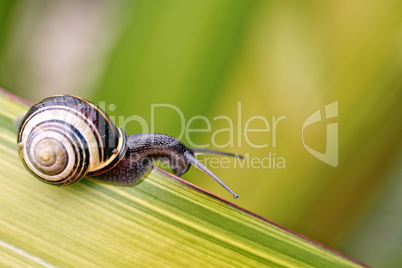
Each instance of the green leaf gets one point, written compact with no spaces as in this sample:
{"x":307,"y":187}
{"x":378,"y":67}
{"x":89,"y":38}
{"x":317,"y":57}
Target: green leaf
{"x":164,"y":221}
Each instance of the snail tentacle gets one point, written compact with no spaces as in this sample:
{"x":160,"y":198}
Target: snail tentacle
{"x":197,"y":151}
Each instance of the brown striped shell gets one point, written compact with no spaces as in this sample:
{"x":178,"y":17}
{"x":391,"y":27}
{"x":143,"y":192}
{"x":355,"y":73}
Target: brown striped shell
{"x":64,"y":138}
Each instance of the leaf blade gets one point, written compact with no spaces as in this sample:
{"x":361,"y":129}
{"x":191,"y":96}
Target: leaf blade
{"x":163,"y":221}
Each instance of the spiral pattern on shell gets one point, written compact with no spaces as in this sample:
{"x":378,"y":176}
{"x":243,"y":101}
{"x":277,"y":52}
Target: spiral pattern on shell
{"x":64,"y":138}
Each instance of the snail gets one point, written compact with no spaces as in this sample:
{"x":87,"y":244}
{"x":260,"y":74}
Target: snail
{"x":64,"y":138}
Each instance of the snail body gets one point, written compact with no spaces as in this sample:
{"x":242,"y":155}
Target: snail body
{"x":64,"y":138}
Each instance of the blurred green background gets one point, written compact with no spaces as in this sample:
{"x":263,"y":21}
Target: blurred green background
{"x":272,"y":58}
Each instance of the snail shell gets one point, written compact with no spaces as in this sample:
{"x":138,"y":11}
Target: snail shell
{"x":64,"y":138}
